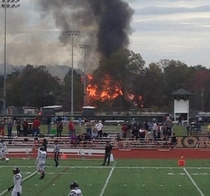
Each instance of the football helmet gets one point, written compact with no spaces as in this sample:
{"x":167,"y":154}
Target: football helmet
{"x":73,"y":185}
{"x":42,"y":148}
{"x":16,"y":170}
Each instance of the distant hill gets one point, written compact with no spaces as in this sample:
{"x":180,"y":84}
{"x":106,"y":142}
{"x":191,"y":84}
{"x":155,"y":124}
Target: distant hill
{"x":55,"y":70}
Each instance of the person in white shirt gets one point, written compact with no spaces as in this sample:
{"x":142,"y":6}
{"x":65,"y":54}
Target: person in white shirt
{"x":41,"y":161}
{"x":75,"y":190}
{"x":17,"y":187}
{"x":56,"y":153}
{"x":99,"y":127}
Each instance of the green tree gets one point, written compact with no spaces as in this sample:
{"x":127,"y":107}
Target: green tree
{"x":34,"y":86}
{"x":114,"y":79}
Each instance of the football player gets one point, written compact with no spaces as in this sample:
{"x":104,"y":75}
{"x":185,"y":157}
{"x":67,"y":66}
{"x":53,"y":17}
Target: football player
{"x":3,"y":149}
{"x":75,"y":190}
{"x":41,"y":161}
{"x":17,"y":187}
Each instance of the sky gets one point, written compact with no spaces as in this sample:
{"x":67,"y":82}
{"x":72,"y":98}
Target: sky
{"x":161,"y":29}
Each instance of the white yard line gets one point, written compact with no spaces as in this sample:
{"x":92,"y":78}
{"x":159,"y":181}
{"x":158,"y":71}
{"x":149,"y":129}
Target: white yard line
{"x":196,"y":186}
{"x":118,"y":167}
{"x":107,"y":180}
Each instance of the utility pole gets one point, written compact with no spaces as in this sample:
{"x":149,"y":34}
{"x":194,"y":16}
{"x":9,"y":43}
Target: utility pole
{"x":72,"y":34}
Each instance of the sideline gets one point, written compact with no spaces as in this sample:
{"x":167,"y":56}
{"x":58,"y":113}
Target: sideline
{"x":26,"y":178}
{"x":107,"y":180}
{"x":100,"y":167}
{"x":196,"y":186}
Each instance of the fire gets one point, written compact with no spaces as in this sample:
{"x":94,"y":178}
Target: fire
{"x":108,"y":92}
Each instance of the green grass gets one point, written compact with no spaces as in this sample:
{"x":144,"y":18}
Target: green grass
{"x":124,"y":177}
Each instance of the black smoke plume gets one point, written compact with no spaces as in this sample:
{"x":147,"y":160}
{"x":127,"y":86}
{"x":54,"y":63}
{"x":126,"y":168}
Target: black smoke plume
{"x":107,"y":21}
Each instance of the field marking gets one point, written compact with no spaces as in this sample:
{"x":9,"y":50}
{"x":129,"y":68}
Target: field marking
{"x":26,"y":178}
{"x":102,"y":167}
{"x":194,"y":183}
{"x":107,"y":180}
{"x":53,"y":180}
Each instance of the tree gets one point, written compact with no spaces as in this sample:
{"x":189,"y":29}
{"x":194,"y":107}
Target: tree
{"x":152,"y":87}
{"x":34,"y":86}
{"x":113,"y":79}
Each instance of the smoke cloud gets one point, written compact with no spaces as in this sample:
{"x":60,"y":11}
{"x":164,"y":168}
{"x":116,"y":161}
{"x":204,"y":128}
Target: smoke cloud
{"x":103,"y":23}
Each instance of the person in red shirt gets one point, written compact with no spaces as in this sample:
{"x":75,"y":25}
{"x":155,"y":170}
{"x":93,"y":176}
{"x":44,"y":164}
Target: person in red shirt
{"x":71,"y":128}
{"x":124,"y":129}
{"x":36,"y":125}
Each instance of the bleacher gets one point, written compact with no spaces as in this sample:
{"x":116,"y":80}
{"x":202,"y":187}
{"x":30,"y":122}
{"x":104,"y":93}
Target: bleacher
{"x":95,"y":148}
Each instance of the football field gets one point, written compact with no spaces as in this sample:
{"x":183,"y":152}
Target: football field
{"x":124,"y":177}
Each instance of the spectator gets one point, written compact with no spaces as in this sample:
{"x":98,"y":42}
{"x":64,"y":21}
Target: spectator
{"x":159,"y":130}
{"x":169,"y":125}
{"x":99,"y":127}
{"x":129,"y":129}
{"x":25,"y":128}
{"x":142,"y":133}
{"x":88,"y":125}
{"x":71,"y":128}
{"x":36,"y":125}
{"x":80,"y":138}
{"x":146,"y":125}
{"x":154,"y":130}
{"x":135,"y":132}
{"x":124,"y":129}
{"x":80,"y":121}
{"x":9,"y":127}
{"x":73,"y":140}
{"x":2,"y":127}
{"x":18,"y":127}
{"x":87,"y":139}
{"x":59,"y":128}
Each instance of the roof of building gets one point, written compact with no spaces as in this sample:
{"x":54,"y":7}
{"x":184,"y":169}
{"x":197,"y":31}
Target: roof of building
{"x":181,"y":91}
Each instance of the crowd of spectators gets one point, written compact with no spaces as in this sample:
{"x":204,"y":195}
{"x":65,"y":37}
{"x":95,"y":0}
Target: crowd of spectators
{"x":148,"y":131}
{"x":130,"y":130}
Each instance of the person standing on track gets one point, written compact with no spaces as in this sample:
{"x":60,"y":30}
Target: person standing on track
{"x":108,"y":151}
{"x":56,"y":153}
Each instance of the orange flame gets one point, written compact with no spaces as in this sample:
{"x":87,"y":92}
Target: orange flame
{"x":94,"y":92}
{"x":110,"y":91}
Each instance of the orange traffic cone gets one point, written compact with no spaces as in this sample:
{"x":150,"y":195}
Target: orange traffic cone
{"x":63,"y":156}
{"x":181,"y":162}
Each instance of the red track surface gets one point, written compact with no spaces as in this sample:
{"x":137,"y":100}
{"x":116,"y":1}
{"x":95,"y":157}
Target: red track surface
{"x":157,"y":154}
{"x":142,"y":154}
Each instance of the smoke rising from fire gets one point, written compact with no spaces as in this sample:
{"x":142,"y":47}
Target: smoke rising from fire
{"x":103,"y":23}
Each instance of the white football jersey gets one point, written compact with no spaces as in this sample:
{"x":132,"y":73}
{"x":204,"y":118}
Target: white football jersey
{"x":4,"y":147}
{"x":17,"y":182}
{"x":41,"y":157}
{"x":75,"y":192}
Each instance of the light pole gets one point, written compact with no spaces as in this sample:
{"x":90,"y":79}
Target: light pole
{"x":85,"y":48}
{"x":72,"y":34}
{"x":6,"y":4}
